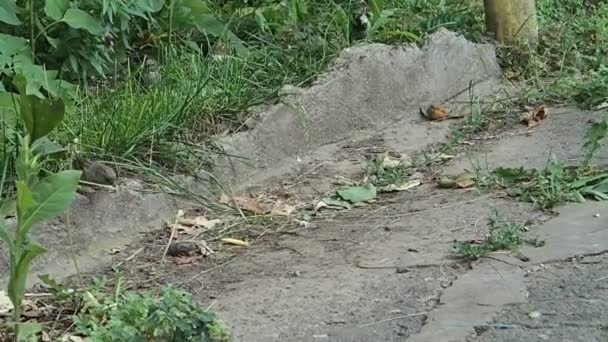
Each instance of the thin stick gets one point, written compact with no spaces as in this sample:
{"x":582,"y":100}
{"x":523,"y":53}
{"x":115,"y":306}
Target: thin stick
{"x":214,"y":268}
{"x":417,"y":314}
{"x":130,"y":257}
{"x":108,"y":187}
{"x":134,"y":254}
{"x":236,"y":203}
{"x":72,"y":252}
{"x":173,"y":230}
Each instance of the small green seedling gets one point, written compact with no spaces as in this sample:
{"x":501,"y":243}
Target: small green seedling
{"x":502,"y":235}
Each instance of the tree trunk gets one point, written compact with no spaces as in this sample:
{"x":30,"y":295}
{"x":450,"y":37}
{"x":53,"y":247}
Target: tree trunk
{"x":512,"y":21}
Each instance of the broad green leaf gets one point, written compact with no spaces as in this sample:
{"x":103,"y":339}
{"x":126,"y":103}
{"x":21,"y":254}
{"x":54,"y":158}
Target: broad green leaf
{"x":600,"y":196}
{"x":16,"y":286}
{"x":4,"y":234}
{"x":9,"y":105}
{"x":208,"y":23}
{"x":12,"y":45}
{"x":56,"y":8}
{"x":587,"y":181}
{"x":602,"y":186}
{"x":196,"y":7}
{"x":25,"y":199}
{"x":28,"y":332}
{"x":80,"y":19}
{"x":356,"y":194}
{"x":8,"y":12}
{"x":45,"y":146}
{"x":53,"y":195}
{"x":41,"y":115}
{"x":151,"y":6}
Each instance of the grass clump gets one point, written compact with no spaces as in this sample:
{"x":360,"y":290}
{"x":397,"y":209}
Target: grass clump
{"x":385,"y":171}
{"x":556,"y":183}
{"x":569,"y":64}
{"x":503,"y":235}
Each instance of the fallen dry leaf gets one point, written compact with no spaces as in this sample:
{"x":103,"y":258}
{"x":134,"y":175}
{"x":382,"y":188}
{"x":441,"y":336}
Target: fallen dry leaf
{"x":248,"y":204}
{"x":463,"y":181}
{"x":401,"y":187}
{"x":533,"y":117}
{"x":235,"y":242}
{"x":282,"y":209}
{"x":199,"y":221}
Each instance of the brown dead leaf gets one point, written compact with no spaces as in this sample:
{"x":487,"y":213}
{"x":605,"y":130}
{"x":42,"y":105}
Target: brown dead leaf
{"x":248,"y":204}
{"x":533,"y":117}
{"x":282,"y":209}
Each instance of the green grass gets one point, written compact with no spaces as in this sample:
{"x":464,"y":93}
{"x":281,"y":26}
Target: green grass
{"x":556,"y":183}
{"x":503,"y":235}
{"x":171,"y":126}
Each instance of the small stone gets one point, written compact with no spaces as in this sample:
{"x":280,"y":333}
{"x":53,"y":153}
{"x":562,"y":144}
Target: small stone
{"x":534,"y":314}
{"x":596,"y":215}
{"x":543,"y":337}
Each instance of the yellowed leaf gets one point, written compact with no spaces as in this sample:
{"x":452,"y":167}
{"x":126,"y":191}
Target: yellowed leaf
{"x":465,"y":183}
{"x":401,"y":187}
{"x":235,"y":242}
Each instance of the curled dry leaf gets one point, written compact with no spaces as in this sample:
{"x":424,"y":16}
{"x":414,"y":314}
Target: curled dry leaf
{"x":533,"y":117}
{"x":235,"y":242}
{"x":247,"y":204}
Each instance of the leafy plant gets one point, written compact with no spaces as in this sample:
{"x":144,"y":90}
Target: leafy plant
{"x":138,"y":316}
{"x":558,"y":184}
{"x":37,"y":201}
{"x":502,"y":235}
{"x":386,"y":171}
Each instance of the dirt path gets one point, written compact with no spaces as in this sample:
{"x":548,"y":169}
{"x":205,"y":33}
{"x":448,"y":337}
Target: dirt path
{"x":384,"y":272}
